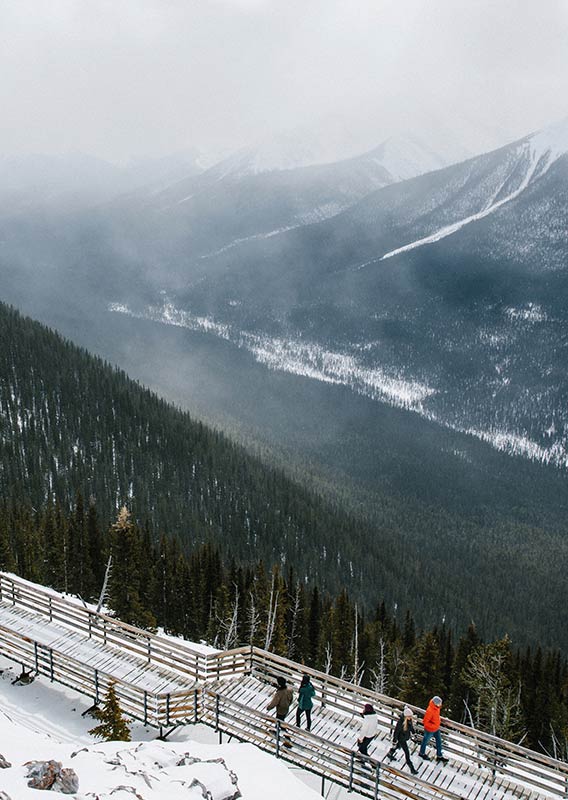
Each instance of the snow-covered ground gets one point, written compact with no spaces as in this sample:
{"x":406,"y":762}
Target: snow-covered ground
{"x":42,"y":721}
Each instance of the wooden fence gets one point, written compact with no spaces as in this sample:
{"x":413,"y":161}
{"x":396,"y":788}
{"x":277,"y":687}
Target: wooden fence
{"x":497,"y":757}
{"x":331,"y":761}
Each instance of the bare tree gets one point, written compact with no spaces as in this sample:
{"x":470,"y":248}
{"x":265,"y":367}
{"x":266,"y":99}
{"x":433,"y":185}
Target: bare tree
{"x":498,"y":709}
{"x":379,"y":679}
{"x":272,"y":610}
{"x":296,"y":608}
{"x":358,"y":669}
{"x":253,"y":619}
{"x":228,"y":627}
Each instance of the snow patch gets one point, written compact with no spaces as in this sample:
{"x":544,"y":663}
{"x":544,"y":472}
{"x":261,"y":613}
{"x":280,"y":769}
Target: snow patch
{"x":529,"y":313}
{"x":306,"y":359}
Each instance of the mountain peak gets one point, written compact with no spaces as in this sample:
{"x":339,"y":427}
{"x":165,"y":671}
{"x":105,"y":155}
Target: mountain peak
{"x":551,"y":141}
{"x":406,"y":157}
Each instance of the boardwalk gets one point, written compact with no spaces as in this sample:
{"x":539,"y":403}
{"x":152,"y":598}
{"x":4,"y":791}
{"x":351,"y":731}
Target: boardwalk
{"x":165,"y":683}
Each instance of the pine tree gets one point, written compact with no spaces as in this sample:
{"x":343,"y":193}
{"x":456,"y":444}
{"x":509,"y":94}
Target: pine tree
{"x":113,"y":727}
{"x":125,"y":578}
{"x":424,"y":677}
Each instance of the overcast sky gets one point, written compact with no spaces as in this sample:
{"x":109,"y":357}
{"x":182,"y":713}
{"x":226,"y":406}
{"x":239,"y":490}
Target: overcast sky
{"x":120,"y":78}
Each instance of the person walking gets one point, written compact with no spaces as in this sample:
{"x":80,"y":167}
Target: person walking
{"x":369,"y":729}
{"x":305,"y":697}
{"x":281,"y":699}
{"x":404,"y":729}
{"x":431,"y":724}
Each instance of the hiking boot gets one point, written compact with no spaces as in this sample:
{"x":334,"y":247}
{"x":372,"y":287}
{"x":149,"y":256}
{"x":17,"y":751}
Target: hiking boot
{"x":390,"y":755}
{"x":424,"y":756}
{"x":414,"y":771}
{"x":441,"y":759}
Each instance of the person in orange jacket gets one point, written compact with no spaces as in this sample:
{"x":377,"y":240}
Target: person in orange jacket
{"x":431,"y":724}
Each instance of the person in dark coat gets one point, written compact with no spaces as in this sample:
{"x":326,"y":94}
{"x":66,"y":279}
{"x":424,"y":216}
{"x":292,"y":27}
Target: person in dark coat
{"x":281,"y":699}
{"x":305,"y":697}
{"x":403,"y":731}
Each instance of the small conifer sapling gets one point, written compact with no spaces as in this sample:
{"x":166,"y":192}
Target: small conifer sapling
{"x":113,"y":727}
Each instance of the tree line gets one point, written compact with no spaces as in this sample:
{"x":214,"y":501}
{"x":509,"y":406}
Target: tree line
{"x":519,"y":695}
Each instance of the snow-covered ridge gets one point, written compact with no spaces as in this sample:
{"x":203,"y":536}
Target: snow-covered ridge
{"x":537,"y":153}
{"x":551,"y":141}
{"x":534,"y":165}
{"x":405,"y":157}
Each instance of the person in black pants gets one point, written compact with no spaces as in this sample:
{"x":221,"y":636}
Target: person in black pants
{"x":402,"y":733}
{"x":305,"y":702}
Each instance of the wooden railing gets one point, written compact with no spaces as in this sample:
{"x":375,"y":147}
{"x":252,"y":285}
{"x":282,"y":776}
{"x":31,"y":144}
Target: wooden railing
{"x":495,"y":758}
{"x":153,"y":649}
{"x":157,"y":710}
{"x":337,"y":763}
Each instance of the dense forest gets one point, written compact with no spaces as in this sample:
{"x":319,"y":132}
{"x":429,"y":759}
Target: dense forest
{"x":71,"y":423}
{"x":518,"y":695}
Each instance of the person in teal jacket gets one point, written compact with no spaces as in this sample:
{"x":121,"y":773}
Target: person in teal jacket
{"x":305,"y":695}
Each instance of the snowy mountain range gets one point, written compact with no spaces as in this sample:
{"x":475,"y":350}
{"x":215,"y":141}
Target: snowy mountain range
{"x":445,"y":294}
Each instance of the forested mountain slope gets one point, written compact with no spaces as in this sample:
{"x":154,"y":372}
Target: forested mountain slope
{"x":69,"y":422}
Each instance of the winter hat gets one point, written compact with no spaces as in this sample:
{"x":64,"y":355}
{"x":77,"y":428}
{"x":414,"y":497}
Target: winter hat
{"x":281,"y":681}
{"x":437,"y":700}
{"x":368,"y":709}
{"x":408,"y":712}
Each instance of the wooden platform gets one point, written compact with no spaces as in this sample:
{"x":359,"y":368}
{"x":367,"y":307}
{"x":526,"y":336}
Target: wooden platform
{"x":164,"y":683}
{"x":239,"y":700}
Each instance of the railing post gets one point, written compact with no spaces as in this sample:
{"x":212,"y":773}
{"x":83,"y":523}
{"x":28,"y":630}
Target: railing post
{"x":145,"y":707}
{"x":251,"y":656}
{"x":96,"y":687}
{"x":167,"y":709}
{"x":13,"y":594}
{"x":351,"y":766}
{"x":36,"y":658}
{"x":149,"y":649}
{"x":195,"y":709}
{"x":104,"y":631}
{"x":51,"y":610}
{"x":377,"y":779}
{"x":217,"y":712}
{"x":277,"y":738}
{"x":51,"y":664}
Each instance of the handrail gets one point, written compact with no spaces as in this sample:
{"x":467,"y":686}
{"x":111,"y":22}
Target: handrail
{"x":73,"y":615}
{"x":469,"y":745}
{"x":306,"y":747}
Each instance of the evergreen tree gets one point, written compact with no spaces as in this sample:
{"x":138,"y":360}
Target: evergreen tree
{"x":125,"y":579}
{"x":424,"y":676}
{"x":462,"y":696}
{"x":113,"y":727}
